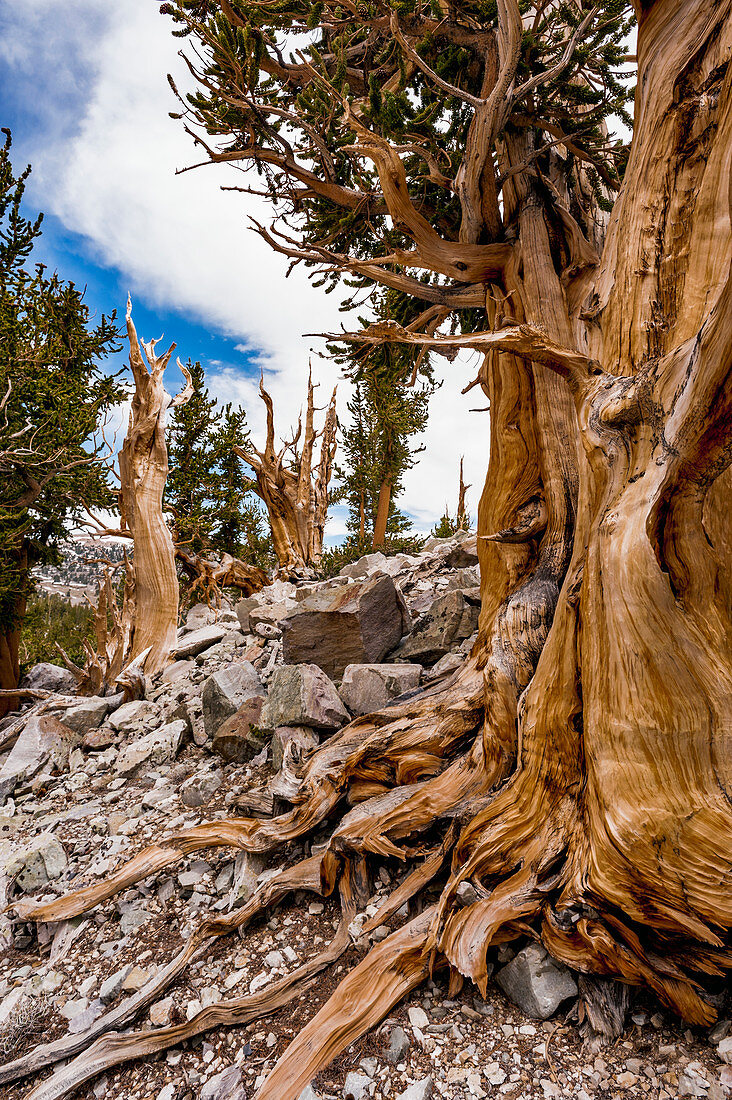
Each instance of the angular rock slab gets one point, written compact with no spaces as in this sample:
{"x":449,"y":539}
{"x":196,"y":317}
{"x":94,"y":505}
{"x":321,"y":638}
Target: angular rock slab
{"x":449,"y":620}
{"x":157,"y":747}
{"x":366,"y":688}
{"x":365,"y":566}
{"x":346,"y":624}
{"x":302,"y":695}
{"x":536,"y":983}
{"x":126,"y":717}
{"x":226,"y":691}
{"x":238,"y":739}
{"x":41,"y":861}
{"x":90,"y":713}
{"x":44,"y":741}
{"x":193,"y":643}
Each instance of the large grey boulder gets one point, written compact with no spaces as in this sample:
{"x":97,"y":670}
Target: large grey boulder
{"x":225,"y":691}
{"x":448,"y":621}
{"x":48,"y":677}
{"x":130,"y":715}
{"x":536,"y":983}
{"x":195,"y":642}
{"x":201,"y":615}
{"x":302,"y":695}
{"x":239,"y":737}
{"x":41,"y":861}
{"x":200,"y":788}
{"x":346,"y":624}
{"x":43,"y":742}
{"x":465,"y":553}
{"x":90,"y":713}
{"x":365,"y":566}
{"x":157,"y":747}
{"x":244,"y":608}
{"x":366,"y":688}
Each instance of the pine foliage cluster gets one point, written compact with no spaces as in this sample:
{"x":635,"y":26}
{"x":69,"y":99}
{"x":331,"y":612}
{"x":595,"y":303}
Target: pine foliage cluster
{"x":208,"y":494}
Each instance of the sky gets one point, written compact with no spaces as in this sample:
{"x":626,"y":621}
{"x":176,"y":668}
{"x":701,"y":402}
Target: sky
{"x":83,"y":87}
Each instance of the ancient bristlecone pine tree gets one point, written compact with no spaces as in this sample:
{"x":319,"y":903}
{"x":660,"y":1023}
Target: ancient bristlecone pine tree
{"x":577,"y":771}
{"x":294,"y":485}
{"x":143,"y":468}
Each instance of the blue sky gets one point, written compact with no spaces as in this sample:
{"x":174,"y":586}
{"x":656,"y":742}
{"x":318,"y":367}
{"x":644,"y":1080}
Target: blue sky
{"x":83,"y":86}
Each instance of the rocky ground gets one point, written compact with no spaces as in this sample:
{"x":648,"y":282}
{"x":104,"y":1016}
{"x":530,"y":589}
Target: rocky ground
{"x":252,"y":692}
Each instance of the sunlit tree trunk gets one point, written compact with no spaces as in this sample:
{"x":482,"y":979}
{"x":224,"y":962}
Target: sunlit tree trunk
{"x":585,"y":748}
{"x":382,"y":514}
{"x":293,"y":487}
{"x":143,"y":467}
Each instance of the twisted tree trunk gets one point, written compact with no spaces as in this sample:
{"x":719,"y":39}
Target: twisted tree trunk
{"x":578,"y":769}
{"x":293,"y":488}
{"x":143,"y":467}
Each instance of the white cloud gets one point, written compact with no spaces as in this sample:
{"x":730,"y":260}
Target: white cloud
{"x":180,"y":241}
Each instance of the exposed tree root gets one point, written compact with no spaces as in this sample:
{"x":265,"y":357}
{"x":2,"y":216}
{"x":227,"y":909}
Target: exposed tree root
{"x":110,"y":1050}
{"x":521,"y":849}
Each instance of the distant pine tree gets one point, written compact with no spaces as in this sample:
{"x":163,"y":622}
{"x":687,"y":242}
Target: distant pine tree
{"x":390,"y":406}
{"x":208,"y":493}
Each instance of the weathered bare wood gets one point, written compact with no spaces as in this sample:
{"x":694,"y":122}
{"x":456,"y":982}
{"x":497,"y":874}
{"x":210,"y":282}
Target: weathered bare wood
{"x":294,"y":486}
{"x":579,"y":764}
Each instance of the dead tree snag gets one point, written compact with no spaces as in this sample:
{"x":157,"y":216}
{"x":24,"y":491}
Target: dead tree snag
{"x":143,"y":468}
{"x":294,"y":485}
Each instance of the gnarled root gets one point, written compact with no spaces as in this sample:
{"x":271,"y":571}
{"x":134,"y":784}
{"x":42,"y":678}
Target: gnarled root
{"x":441,"y":769}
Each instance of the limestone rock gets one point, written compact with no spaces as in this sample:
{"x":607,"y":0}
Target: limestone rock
{"x":238,"y":739}
{"x":41,"y":861}
{"x":366,"y":688}
{"x":356,"y":1086}
{"x":365,"y":566}
{"x":176,"y":671}
{"x":244,"y":609}
{"x":465,"y":553}
{"x":201,"y":615}
{"x":200,"y":788}
{"x":49,"y":677}
{"x":43,"y":742}
{"x":225,"y":691}
{"x":293,"y":741}
{"x":536,"y":983}
{"x":348,"y":624}
{"x":269,"y":615}
{"x":302,"y":695}
{"x":450,"y":619}
{"x":157,"y":747}
{"x":126,"y":717}
{"x":161,"y":1012}
{"x":224,"y":1086}
{"x":419,"y":1090}
{"x":193,"y":643}
{"x":90,"y":713}
{"x":398,"y":1046}
{"x":111,"y":987}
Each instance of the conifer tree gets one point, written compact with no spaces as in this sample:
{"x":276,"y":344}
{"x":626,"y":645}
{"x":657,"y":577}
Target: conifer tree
{"x":54,"y":399}
{"x":390,"y":406}
{"x":208,"y":492}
